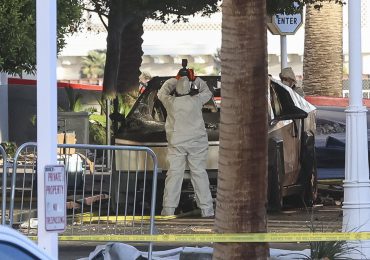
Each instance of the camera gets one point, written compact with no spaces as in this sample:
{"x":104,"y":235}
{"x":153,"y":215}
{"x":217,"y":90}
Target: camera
{"x":184,"y":71}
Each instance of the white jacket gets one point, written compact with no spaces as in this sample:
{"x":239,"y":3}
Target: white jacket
{"x":184,"y":114}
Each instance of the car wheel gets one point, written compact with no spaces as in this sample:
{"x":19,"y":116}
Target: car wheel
{"x":309,"y":171}
{"x":275,"y":175}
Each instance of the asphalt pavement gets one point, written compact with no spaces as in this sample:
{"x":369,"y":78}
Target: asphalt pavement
{"x":327,"y":218}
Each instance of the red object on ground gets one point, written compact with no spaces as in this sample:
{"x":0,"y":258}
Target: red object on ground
{"x":332,"y":101}
{"x":16,"y":81}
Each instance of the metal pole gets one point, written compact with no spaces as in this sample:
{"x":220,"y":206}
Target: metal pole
{"x":115,"y":113}
{"x":4,"y":126}
{"x":46,"y":112}
{"x":3,"y":187}
{"x":283,"y":52}
{"x":108,"y":126}
{"x":108,"y":122}
{"x":356,"y":204}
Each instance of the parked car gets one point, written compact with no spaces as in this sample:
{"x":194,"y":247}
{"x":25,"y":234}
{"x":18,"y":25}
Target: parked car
{"x":291,"y":155}
{"x":14,"y":246}
{"x":331,"y":141}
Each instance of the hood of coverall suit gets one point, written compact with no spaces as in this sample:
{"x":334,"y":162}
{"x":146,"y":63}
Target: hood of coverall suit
{"x":183,"y":86}
{"x":287,"y":77}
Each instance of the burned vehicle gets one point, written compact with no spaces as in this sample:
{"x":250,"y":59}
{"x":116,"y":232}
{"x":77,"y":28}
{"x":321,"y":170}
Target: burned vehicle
{"x":291,"y":156}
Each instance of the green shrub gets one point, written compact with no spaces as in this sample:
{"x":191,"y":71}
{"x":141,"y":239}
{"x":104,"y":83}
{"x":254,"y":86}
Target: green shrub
{"x":10,"y":148}
{"x":97,"y":127}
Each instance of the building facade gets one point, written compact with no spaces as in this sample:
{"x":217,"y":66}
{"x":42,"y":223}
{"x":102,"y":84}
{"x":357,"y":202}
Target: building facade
{"x":199,"y":41}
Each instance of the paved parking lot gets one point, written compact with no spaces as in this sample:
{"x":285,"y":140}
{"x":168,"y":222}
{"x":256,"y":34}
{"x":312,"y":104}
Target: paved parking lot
{"x":324,"y":218}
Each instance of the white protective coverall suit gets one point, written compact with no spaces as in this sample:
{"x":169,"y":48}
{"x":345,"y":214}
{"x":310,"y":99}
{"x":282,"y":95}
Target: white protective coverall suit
{"x":187,"y":143}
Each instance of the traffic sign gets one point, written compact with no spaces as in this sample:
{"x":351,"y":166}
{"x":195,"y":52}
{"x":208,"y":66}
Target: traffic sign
{"x":285,"y":24}
{"x":55,"y":198}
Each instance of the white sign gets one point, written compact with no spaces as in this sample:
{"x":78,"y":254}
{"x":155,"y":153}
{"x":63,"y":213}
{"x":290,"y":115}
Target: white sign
{"x":55,"y":198}
{"x":287,"y":23}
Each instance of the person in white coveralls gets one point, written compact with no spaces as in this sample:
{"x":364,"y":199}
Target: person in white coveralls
{"x":183,"y":97}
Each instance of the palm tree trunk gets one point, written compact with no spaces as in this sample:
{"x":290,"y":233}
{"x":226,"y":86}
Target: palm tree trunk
{"x":323,"y":50}
{"x":242,"y":179}
{"x":131,"y":56}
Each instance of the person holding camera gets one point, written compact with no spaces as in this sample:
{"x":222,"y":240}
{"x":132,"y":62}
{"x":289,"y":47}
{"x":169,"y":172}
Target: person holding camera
{"x":183,"y":97}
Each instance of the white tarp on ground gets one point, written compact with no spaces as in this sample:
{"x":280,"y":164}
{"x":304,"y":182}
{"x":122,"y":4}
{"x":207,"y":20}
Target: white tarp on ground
{"x":121,"y":251}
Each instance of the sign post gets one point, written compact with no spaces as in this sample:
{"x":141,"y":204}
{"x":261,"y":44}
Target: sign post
{"x":283,"y":52}
{"x":46,"y":52}
{"x":283,"y":25}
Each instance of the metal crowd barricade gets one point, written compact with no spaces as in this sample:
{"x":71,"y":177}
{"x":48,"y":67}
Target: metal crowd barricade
{"x":23,"y":181}
{"x":110,"y":189}
{"x":3,"y":163}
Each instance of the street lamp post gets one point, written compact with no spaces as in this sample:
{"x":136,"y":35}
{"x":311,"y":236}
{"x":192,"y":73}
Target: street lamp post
{"x":356,"y":204}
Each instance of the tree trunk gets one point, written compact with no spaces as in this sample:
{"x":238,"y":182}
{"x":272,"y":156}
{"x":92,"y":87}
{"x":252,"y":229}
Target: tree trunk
{"x":118,"y":20}
{"x":131,"y":56}
{"x":242,"y":179}
{"x":323,"y":51}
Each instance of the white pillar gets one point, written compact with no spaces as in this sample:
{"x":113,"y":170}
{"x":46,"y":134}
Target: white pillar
{"x":283,"y":52}
{"x":46,"y":112}
{"x":356,"y":205}
{"x":4,"y":125}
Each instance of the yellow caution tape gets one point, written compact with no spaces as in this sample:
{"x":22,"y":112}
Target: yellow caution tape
{"x":114,"y":219}
{"x":225,"y":238}
{"x":93,"y":217}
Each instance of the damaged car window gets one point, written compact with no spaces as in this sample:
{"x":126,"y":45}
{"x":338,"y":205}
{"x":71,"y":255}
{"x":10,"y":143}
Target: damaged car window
{"x":275,"y":102}
{"x":143,"y":109}
{"x":150,"y":110}
{"x":285,"y":103}
{"x":146,"y":112}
